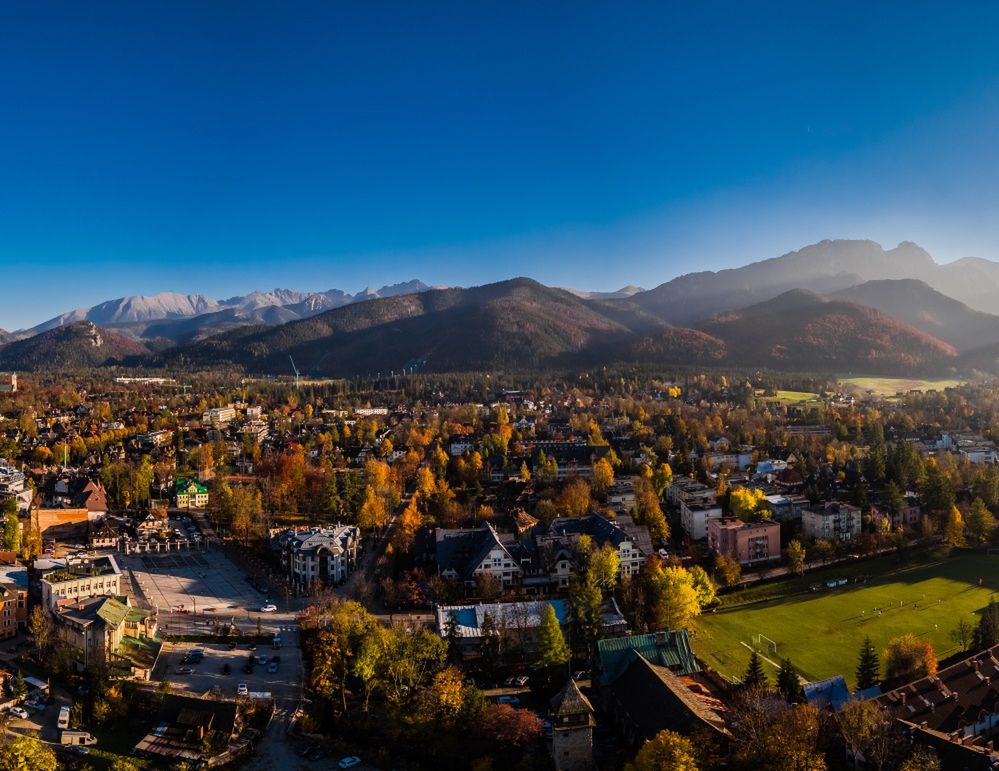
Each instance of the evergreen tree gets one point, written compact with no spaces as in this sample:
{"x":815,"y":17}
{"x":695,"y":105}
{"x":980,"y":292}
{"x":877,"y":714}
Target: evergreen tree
{"x":987,"y":633}
{"x":451,"y":636}
{"x":490,"y":648}
{"x":755,"y":676}
{"x":552,"y":649}
{"x":788,"y":682}
{"x":868,"y":666}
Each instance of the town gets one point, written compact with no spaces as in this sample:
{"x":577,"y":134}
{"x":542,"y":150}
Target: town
{"x":612,"y":569}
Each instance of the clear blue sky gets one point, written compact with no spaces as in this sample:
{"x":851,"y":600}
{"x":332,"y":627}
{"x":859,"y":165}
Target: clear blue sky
{"x":218,"y":147}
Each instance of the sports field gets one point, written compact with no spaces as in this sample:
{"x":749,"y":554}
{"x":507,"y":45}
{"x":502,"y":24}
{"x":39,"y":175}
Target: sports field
{"x":889,"y":386}
{"x":821,"y":632}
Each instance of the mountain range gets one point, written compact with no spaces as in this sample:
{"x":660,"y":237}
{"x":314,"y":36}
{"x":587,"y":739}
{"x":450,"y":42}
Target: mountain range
{"x":835,"y":306}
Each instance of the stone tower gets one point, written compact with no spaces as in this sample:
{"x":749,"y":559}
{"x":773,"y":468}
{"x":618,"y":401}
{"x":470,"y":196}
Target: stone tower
{"x":572,"y":729}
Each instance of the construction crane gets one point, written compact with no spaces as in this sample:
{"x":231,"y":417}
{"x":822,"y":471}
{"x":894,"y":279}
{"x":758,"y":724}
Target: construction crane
{"x":295,"y":370}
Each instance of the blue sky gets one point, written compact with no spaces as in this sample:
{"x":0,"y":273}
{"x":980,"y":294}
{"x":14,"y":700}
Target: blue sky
{"x":220,"y":147}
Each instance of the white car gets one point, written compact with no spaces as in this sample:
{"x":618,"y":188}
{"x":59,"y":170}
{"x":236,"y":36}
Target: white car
{"x":350,"y":762}
{"x":242,"y":690}
{"x":20,"y":712}
{"x":268,"y":608}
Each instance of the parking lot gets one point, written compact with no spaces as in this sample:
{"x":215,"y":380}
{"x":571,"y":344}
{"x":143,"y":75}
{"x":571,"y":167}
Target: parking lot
{"x":208,"y":673}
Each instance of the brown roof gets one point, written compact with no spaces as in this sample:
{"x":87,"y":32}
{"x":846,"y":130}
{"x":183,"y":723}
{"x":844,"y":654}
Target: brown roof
{"x":570,"y":701}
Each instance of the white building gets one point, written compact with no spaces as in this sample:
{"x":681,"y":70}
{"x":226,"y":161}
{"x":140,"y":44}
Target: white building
{"x":219,"y":416}
{"x":324,"y":555}
{"x":833,"y":521}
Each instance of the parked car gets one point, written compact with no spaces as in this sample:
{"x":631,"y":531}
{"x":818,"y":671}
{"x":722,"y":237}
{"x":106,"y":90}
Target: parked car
{"x":242,"y":690}
{"x":35,"y":705}
{"x":350,"y":761}
{"x":268,"y":608}
{"x":262,"y":660}
{"x":184,"y":670}
{"x":272,"y":668}
{"x":20,"y":712}
{"x":521,"y":681}
{"x":507,"y":700}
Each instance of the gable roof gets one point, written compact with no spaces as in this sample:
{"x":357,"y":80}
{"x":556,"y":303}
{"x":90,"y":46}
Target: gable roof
{"x":462,"y":551}
{"x":570,"y":701}
{"x":669,"y":649}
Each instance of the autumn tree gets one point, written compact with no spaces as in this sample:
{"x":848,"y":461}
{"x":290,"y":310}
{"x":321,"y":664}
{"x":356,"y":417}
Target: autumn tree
{"x":603,"y":476}
{"x":707,"y":592}
{"x":748,"y":504}
{"x":648,"y":511}
{"x":796,"y":557}
{"x":980,"y":523}
{"x":373,"y":514}
{"x":40,"y":629}
{"x":666,"y":751}
{"x":574,"y":499}
{"x":954,"y":528}
{"x":727,"y":569}
{"x":11,"y":526}
{"x":408,"y":524}
{"x":868,"y":729}
{"x":909,"y":658}
{"x":671,"y":599}
{"x":26,"y":753}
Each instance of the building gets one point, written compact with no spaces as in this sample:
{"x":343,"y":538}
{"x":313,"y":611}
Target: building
{"x":574,"y":459}
{"x":324,"y":555}
{"x":190,"y":494}
{"x":255,"y":430}
{"x":105,"y":534}
{"x":109,"y":631}
{"x":670,"y":649}
{"x":517,"y":623}
{"x":632,"y":543}
{"x":219,"y":416}
{"x":572,"y":729}
{"x":832,"y":521}
{"x":955,"y":711}
{"x":187,"y":728}
{"x":749,"y":543}
{"x":697,"y":502}
{"x":8,"y":383}
{"x":80,"y":579}
{"x":465,"y":555}
{"x":786,"y":508}
{"x":14,"y":598}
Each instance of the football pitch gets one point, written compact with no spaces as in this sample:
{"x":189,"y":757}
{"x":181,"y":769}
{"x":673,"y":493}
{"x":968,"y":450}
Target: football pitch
{"x":821,"y":632}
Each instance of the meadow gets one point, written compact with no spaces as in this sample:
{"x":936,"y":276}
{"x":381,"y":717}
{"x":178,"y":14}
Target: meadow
{"x":821,"y":632}
{"x":889,"y":386}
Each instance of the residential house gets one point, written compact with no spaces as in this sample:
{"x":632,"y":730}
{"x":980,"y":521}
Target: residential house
{"x":517,"y":623}
{"x":464,"y":555}
{"x":831,"y":521}
{"x":189,"y":494}
{"x":632,"y":542}
{"x":749,"y":543}
{"x":105,"y":630}
{"x":324,"y":555}
{"x":192,"y":731}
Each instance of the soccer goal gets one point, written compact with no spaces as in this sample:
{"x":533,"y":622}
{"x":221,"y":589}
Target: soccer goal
{"x":760,"y":639}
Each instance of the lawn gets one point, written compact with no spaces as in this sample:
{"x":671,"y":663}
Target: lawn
{"x":888,"y":386}
{"x":822,"y":632}
{"x":788,"y":397}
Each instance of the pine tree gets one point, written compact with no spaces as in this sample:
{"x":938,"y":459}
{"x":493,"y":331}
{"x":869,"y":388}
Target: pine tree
{"x":868,"y":666}
{"x":987,"y":633}
{"x":755,"y":677}
{"x":490,"y":648}
{"x":552,"y":648}
{"x":788,"y":682}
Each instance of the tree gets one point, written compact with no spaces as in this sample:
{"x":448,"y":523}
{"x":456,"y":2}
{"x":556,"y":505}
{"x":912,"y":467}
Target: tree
{"x":921,"y":759}
{"x":936,"y":494}
{"x":405,"y":530}
{"x":728,"y":570}
{"x":508,"y":727}
{"x":552,"y":649}
{"x":662,"y":478}
{"x":788,"y":682}
{"x":868,"y":666}
{"x":648,"y":511}
{"x":672,"y":600}
{"x":19,"y":688}
{"x":585,"y":604}
{"x":870,"y":730}
{"x":574,"y":499}
{"x":666,"y":751}
{"x":373,"y":514}
{"x":490,"y":645}
{"x":26,"y":753}
{"x":987,"y":632}
{"x":40,"y":629}
{"x":748,"y":503}
{"x":954,"y":528}
{"x":603,"y":475}
{"x":755,"y":676}
{"x":12,"y":526}
{"x":707,"y":592}
{"x":963,"y":634}
{"x":980,"y":523}
{"x":909,"y":658}
{"x":796,"y":557}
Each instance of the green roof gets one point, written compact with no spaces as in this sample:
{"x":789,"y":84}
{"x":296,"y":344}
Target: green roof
{"x":182,"y":486}
{"x":141,"y":651}
{"x":665,"y":649}
{"x":113,"y":612}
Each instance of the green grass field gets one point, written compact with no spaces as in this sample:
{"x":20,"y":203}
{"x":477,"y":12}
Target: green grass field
{"x":822,"y":632}
{"x":788,"y":397}
{"x":888,"y":386}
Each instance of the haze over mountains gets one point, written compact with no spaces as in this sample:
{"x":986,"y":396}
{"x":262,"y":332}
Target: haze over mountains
{"x":835,"y":306}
